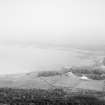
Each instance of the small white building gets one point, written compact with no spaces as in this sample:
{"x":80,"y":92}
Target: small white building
{"x":84,"y":77}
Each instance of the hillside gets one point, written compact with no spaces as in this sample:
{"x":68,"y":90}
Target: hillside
{"x":58,"y":81}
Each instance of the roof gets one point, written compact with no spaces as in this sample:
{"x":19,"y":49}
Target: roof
{"x":84,"y":77}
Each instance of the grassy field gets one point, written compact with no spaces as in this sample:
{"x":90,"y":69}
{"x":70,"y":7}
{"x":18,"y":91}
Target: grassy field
{"x":55,"y":81}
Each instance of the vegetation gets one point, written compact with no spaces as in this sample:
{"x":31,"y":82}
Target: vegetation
{"x":95,"y":73}
{"x":91,"y":72}
{"x":48,"y":73}
{"x":10,"y":96}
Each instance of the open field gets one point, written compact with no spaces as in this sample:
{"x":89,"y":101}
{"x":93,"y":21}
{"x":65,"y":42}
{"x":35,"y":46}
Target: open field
{"x":57,"y":81}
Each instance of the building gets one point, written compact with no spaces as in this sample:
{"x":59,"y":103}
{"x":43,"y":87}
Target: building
{"x":84,"y":77}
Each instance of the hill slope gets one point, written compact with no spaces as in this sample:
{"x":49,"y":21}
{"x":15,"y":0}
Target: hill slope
{"x":58,"y":81}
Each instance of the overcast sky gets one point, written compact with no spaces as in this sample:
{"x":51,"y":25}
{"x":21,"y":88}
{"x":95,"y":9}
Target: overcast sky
{"x":54,"y":21}
{"x":58,"y":22}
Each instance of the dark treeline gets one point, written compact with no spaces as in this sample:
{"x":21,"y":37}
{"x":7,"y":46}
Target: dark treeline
{"x":10,"y":96}
{"x":96,"y":73}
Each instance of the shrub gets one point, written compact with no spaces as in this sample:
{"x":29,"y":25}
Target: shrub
{"x":48,"y":73}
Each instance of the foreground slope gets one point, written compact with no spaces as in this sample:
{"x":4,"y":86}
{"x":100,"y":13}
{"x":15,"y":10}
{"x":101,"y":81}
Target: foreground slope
{"x":58,"y":81}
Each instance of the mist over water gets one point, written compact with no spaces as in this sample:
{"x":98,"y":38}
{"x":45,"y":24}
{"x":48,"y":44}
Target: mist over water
{"x":16,"y":59}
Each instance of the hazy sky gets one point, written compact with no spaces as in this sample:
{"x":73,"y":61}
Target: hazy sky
{"x":54,"y":21}
{"x":59,"y":22}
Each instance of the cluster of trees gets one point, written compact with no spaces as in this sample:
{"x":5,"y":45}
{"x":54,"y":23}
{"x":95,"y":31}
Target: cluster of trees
{"x":10,"y":96}
{"x":93,"y":71}
{"x":48,"y":73}
{"x":96,"y":73}
{"x":87,"y":70}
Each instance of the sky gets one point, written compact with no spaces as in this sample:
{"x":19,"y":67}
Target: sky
{"x":55,"y":21}
{"x":47,"y":23}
